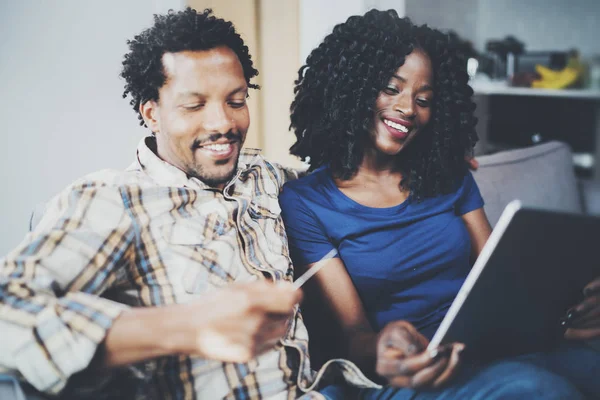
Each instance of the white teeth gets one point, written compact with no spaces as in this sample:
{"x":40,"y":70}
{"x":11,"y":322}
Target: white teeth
{"x":218,"y":147}
{"x":396,"y":126}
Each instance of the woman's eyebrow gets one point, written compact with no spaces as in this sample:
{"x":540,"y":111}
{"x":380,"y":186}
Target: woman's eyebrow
{"x":423,"y":88}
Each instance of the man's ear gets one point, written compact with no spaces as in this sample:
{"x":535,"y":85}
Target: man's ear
{"x":149,"y":111}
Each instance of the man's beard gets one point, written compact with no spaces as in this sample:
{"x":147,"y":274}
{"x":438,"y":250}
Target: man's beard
{"x":199,"y":171}
{"x":214,"y":180}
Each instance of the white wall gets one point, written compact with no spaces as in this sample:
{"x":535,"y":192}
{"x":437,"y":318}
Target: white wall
{"x":540,"y":24}
{"x":61,"y":108}
{"x":318,"y":17}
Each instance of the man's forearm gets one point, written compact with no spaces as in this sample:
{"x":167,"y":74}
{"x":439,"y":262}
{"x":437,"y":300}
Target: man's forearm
{"x":141,"y":334}
{"x":234,"y":324}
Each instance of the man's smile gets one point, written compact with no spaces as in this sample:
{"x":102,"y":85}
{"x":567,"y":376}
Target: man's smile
{"x":218,"y":151}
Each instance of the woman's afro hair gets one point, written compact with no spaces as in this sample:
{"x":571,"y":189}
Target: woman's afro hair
{"x":333,"y":110}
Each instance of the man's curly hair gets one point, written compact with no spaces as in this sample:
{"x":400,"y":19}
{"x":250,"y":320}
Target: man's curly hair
{"x":336,"y":90}
{"x":174,"y":32}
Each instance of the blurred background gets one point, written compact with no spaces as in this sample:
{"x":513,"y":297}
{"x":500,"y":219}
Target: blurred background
{"x":535,"y":70}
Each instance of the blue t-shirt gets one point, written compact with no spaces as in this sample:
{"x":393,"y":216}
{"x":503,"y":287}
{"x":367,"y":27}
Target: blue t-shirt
{"x":407,"y":262}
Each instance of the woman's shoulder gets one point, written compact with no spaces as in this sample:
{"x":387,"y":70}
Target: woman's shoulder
{"x":314,"y":181}
{"x":467,"y":181}
{"x":463,"y":185}
{"x":467,"y":196}
{"x":462,"y":182}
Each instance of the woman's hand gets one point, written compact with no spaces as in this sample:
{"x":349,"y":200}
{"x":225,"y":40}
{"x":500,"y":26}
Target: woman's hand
{"x":583,"y":320}
{"x":403,"y":360}
{"x":472,"y":163}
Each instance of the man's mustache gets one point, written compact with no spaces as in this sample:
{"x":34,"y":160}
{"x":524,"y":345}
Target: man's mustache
{"x":213,"y":137}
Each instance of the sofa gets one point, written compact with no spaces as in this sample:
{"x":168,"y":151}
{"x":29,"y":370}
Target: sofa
{"x":540,"y":176}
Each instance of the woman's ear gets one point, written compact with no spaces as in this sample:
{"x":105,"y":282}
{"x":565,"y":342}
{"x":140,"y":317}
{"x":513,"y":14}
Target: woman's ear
{"x":149,"y":111}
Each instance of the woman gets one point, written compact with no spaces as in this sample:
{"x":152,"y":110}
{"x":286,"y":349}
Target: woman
{"x":383,"y":113}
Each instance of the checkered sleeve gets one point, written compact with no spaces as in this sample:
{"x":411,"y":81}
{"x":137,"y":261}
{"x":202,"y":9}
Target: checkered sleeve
{"x":282,"y":174}
{"x":52,"y":317}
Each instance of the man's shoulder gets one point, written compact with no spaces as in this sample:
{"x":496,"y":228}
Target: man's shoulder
{"x":278,"y":172}
{"x":109,"y":179}
{"x":98,"y":192}
{"x":106,"y":184}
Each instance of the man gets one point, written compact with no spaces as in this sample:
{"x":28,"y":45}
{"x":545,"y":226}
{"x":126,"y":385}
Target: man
{"x":170,"y":279}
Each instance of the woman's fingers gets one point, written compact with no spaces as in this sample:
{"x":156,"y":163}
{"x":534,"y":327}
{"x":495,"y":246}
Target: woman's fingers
{"x":582,"y":334}
{"x":427,"y":376}
{"x":583,"y":320}
{"x":402,"y":336}
{"x":405,"y":366}
{"x":427,"y":369}
{"x":452,"y":367}
{"x":592,"y":288}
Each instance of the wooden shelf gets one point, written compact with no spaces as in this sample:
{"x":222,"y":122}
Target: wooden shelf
{"x":486,"y":89}
{"x":501,"y":88}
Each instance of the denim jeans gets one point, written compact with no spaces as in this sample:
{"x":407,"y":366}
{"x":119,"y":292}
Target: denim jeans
{"x":11,"y":389}
{"x":572,"y":371}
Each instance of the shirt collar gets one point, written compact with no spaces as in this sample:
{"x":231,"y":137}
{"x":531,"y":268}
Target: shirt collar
{"x":166,"y":174}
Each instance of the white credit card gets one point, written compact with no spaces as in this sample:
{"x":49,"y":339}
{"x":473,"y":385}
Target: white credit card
{"x":314,"y":269}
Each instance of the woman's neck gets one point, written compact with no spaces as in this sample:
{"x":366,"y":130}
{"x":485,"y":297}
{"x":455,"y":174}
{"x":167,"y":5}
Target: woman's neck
{"x":378,"y":167}
{"x":376,"y":183}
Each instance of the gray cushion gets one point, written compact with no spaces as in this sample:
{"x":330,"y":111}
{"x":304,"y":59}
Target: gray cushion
{"x":540,"y":176}
{"x":591,"y":196}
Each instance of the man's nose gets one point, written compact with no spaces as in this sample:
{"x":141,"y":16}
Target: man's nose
{"x":217,"y":119}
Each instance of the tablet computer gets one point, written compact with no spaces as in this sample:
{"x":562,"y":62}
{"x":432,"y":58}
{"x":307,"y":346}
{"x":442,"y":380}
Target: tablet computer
{"x":532,"y":269}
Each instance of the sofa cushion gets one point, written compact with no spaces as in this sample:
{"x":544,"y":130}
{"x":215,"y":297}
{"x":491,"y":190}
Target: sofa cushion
{"x":540,"y":176}
{"x":590,"y":189}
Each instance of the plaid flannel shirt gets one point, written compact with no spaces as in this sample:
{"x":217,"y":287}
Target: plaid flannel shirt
{"x":150,"y":236}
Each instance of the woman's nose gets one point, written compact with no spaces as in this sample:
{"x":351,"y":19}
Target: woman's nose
{"x":405,"y":105}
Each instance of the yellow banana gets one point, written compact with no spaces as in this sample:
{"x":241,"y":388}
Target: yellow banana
{"x":562,"y":79}
{"x":546,"y":73}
